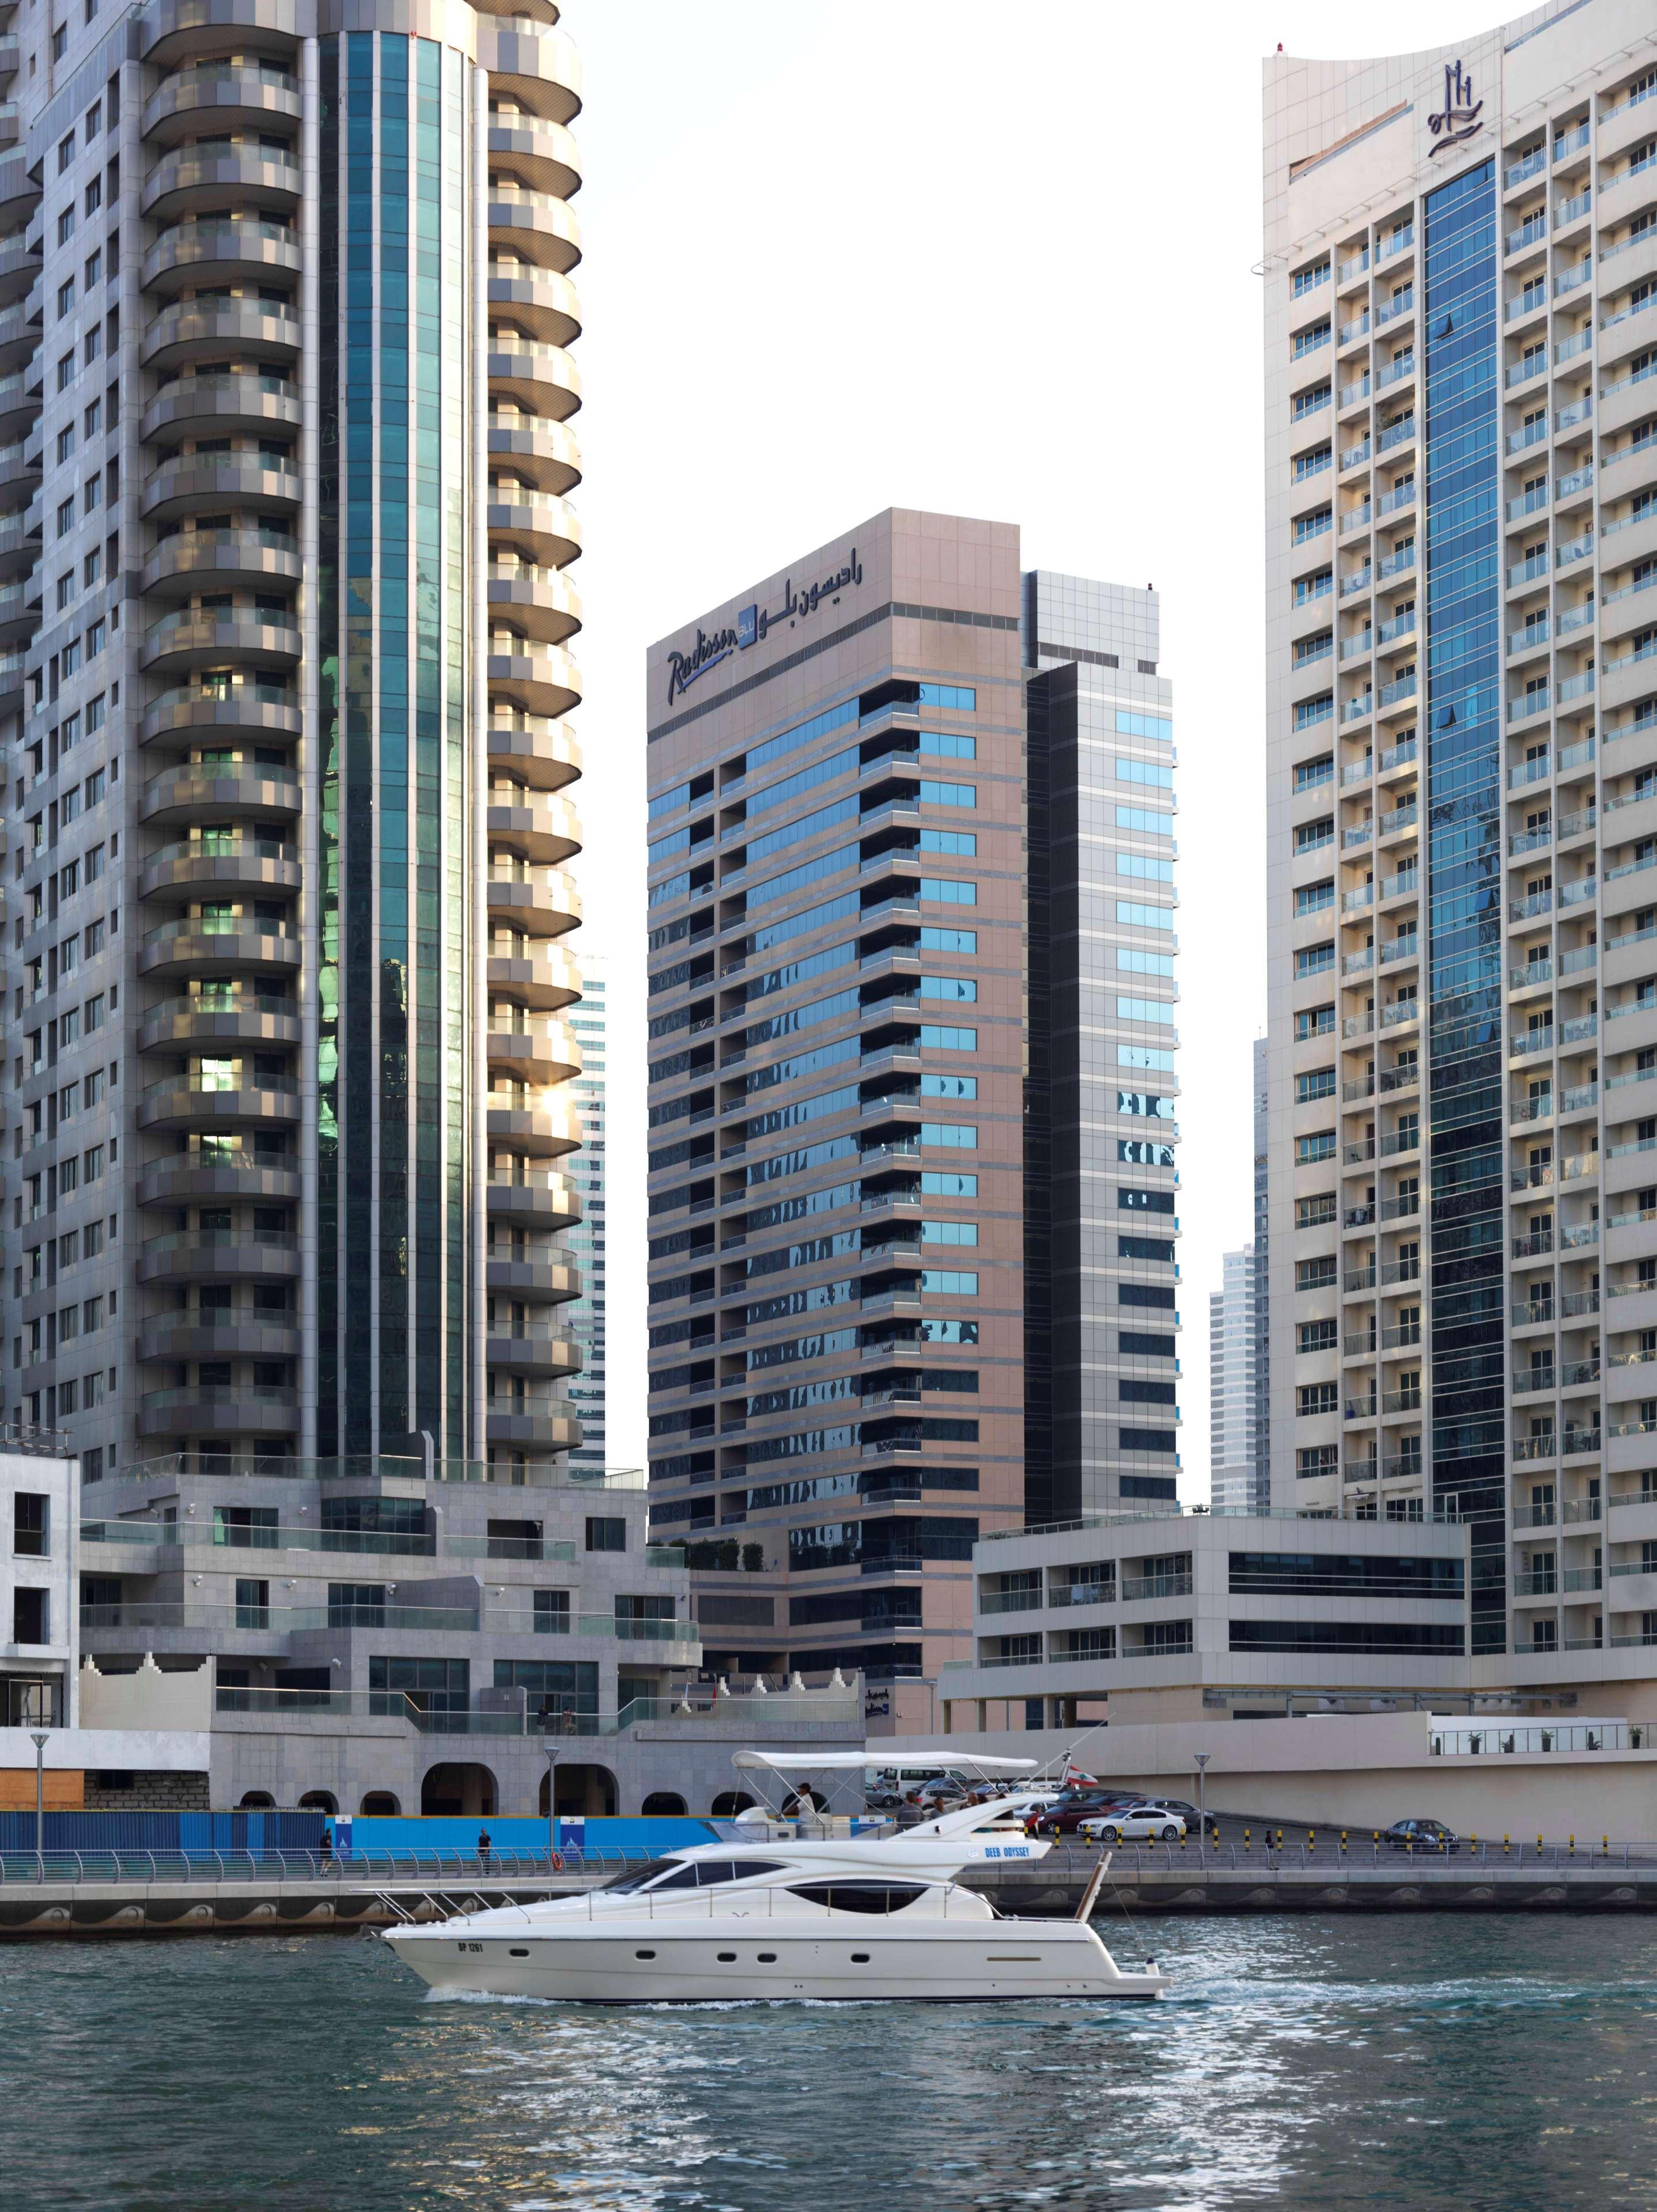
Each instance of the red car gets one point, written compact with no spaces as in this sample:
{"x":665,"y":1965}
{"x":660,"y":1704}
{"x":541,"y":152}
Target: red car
{"x":1065,"y":1814}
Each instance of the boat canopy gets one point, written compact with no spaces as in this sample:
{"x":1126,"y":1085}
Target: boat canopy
{"x":777,"y":1762}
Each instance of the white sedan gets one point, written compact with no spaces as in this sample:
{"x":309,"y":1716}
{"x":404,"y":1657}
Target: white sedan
{"x":1133,"y":1824}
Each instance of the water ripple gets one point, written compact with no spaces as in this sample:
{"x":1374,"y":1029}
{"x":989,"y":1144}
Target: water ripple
{"x":1443,"y":2065}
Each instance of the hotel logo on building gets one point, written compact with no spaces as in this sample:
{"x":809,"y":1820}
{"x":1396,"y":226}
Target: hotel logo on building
{"x":755,"y":623}
{"x":1459,"y":118}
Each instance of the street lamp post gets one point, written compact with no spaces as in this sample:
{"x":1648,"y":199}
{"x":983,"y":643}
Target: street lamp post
{"x":38,"y":1739}
{"x":1203,"y":1759}
{"x":552,"y":1751}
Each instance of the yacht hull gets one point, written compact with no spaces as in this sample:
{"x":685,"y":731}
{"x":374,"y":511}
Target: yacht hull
{"x":646,"y":1965}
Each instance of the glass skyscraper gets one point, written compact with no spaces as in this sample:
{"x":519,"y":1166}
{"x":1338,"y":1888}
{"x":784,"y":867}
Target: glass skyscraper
{"x":1462,"y":762}
{"x":587,"y":1318}
{"x":287,"y":306}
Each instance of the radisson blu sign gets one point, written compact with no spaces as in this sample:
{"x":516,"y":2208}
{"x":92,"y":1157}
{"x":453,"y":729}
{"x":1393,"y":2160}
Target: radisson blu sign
{"x":754,"y":624}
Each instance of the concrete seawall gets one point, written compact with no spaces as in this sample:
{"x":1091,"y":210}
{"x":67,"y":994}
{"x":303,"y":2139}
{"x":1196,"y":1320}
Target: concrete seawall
{"x":1228,"y":1880}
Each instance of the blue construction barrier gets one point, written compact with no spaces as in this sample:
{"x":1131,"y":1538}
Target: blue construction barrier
{"x":189,"y":1834}
{"x":411,"y":1835}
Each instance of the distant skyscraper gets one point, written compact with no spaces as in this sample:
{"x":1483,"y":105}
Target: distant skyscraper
{"x":1236,"y":1480}
{"x":584,"y":1319}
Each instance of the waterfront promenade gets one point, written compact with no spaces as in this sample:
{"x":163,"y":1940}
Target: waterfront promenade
{"x":69,"y":1895}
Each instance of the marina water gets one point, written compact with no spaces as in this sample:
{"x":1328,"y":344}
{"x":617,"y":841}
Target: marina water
{"x":1481,"y":2064}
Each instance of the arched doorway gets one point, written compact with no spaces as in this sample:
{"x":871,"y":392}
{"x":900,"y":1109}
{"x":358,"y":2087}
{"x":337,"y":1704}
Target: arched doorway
{"x":459,"y":1787}
{"x":257,"y":1801}
{"x":663,"y":1803}
{"x":585,"y":1793}
{"x":319,"y":1801}
{"x":729,"y":1804}
{"x":381,"y":1801}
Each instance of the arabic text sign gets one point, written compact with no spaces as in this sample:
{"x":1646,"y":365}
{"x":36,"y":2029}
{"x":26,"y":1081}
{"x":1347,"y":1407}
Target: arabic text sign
{"x":754,"y":623}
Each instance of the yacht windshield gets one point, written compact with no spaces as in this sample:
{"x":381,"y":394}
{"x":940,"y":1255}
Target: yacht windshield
{"x":642,"y":1877}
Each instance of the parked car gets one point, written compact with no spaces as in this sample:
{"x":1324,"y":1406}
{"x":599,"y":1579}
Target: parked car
{"x":1066,"y":1812}
{"x":1420,"y":1836}
{"x":943,"y":1795}
{"x":1133,"y":1824}
{"x":1192,"y":1818}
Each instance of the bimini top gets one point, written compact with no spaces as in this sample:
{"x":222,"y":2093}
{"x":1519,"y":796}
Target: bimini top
{"x":781,"y":1762}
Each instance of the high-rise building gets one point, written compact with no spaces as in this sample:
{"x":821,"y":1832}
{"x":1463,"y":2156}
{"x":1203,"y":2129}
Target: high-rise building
{"x":1236,"y":1479}
{"x":585,"y":1317}
{"x":1462,"y":525}
{"x":1101,"y":1093}
{"x":870,"y":1199}
{"x":287,"y":534}
{"x":1262,"y":1384}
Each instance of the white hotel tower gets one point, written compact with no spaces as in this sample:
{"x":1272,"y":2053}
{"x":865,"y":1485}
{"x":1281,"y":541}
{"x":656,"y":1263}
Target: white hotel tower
{"x":1461,"y":267}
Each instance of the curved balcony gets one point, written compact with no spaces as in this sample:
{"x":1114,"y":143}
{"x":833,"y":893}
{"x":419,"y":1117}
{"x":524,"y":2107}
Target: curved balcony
{"x":548,"y":1202}
{"x":538,"y":1427}
{"x":534,"y":11}
{"x":544,"y":755}
{"x":543,"y":525}
{"x":546,"y":829}
{"x":245,"y":713}
{"x":529,"y":1051}
{"x":542,"y":603}
{"x":184,"y":1102}
{"x":20,"y":475}
{"x":542,"y":682}
{"x":247,"y":250}
{"x":245,"y":1254}
{"x":196,"y":638}
{"x":250,"y":1018}
{"x":249,"y":865}
{"x":542,"y":975}
{"x":244,"y":1409}
{"x":20,"y":194}
{"x":541,"y":378}
{"x":549,"y":1278}
{"x":217,"y":330}
{"x":20,"y":338}
{"x":20,"y":404}
{"x":182,"y":1179}
{"x":539,"y":446}
{"x":531,"y":1352}
{"x":250,"y":1336}
{"x":190,"y":947}
{"x":219,"y":560}
{"x":216,"y":96}
{"x":20,"y":612}
{"x":208,"y":406}
{"x":542,"y":226}
{"x":540,"y":903}
{"x":187,"y":182}
{"x":20,"y":546}
{"x":216,"y":479}
{"x":19,"y":264}
{"x":192,"y":793}
{"x":175,"y":31}
{"x":534,"y":61}
{"x":539,"y":152}
{"x":541,"y":302}
{"x":545,"y":1131}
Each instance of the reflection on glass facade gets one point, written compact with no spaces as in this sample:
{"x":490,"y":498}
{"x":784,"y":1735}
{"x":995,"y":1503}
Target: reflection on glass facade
{"x":394,"y":1049}
{"x":1464,"y":720}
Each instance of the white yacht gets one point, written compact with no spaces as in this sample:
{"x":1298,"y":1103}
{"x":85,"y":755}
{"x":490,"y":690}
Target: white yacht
{"x":857,"y":1917}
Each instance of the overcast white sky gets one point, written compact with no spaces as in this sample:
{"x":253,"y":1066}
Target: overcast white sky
{"x":946,"y":254}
